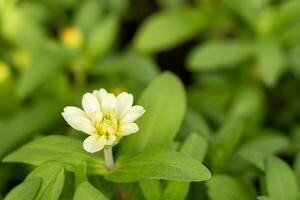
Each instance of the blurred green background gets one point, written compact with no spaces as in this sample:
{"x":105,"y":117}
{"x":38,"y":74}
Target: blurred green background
{"x":235,"y":57}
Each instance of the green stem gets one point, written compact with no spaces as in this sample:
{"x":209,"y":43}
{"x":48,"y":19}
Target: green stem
{"x":108,"y":157}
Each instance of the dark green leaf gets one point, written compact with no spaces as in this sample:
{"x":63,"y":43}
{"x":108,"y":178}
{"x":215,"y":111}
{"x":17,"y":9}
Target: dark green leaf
{"x":159,"y":164}
{"x":270,"y":61}
{"x":211,"y":55}
{"x":257,"y":150}
{"x":87,"y":191}
{"x":151,"y":189}
{"x":167,"y":29}
{"x":164,"y":101}
{"x":60,"y":149}
{"x":52,"y":175}
{"x":280,"y":180}
{"x":24,"y":124}
{"x":223,"y":187}
{"x":25,"y":191}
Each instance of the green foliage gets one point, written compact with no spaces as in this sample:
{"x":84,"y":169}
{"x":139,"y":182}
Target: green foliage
{"x":168,"y":29}
{"x":26,"y":190}
{"x":52,"y":175}
{"x":161,"y":123}
{"x":61,"y":149}
{"x":87,"y":191}
{"x":223,"y":187}
{"x":280,"y":180}
{"x":159,"y":164}
{"x":219,"y":81}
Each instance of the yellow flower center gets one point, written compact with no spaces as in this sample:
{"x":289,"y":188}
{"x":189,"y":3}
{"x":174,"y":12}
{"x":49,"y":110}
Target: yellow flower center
{"x":108,"y":125}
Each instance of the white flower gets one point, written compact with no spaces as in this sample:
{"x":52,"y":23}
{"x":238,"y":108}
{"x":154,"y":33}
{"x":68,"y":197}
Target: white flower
{"x":105,"y":117}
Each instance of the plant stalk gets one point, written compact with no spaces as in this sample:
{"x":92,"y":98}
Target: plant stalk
{"x":109,"y":159}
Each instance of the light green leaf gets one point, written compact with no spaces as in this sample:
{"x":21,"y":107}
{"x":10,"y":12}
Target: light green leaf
{"x":257,"y":150}
{"x":214,"y":55}
{"x":226,"y":140}
{"x":264,"y":198}
{"x":25,"y":191}
{"x":87,"y":14}
{"x":164,"y":102}
{"x":80,"y":174}
{"x":280,"y":180}
{"x":42,"y":67}
{"x":66,"y":150}
{"x":159,"y":164}
{"x":24,"y":124}
{"x":87,"y":191}
{"x":194,"y":146}
{"x":269,"y":61}
{"x":131,"y":64}
{"x":102,"y":36}
{"x":167,"y":29}
{"x":151,"y":189}
{"x":53,"y":177}
{"x":223,"y":187}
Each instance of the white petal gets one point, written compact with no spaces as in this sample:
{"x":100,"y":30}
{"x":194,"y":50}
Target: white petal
{"x":134,"y":113}
{"x":109,"y":103}
{"x":111,"y":139}
{"x":127,"y":129}
{"x":72,"y":111}
{"x":124,"y":103}
{"x":80,"y":123}
{"x":94,"y":143}
{"x":100,"y":94}
{"x":91,"y":105}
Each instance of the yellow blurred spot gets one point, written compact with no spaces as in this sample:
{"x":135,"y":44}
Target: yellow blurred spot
{"x":5,"y":72}
{"x":117,"y":90}
{"x":265,"y":23}
{"x":21,"y":59}
{"x":71,"y":37}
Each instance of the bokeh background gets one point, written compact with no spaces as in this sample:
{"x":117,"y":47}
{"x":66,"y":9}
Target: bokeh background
{"x":234,"y":57}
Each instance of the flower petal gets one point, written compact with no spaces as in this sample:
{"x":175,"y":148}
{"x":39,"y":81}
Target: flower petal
{"x":73,"y":111}
{"x":94,"y":143}
{"x":100,"y":94}
{"x":133,"y":114}
{"x":80,"y":123}
{"x":91,"y":105}
{"x":110,"y":139}
{"x":124,"y":103}
{"x":108,"y":103}
{"x":128,"y":128}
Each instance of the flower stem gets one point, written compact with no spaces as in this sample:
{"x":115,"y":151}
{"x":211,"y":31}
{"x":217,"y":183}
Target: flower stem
{"x":108,"y":157}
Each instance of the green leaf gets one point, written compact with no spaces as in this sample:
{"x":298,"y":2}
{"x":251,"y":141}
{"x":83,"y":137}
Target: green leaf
{"x":87,"y":191}
{"x":87,"y":15}
{"x":151,"y":189}
{"x":159,"y":164}
{"x":211,"y":55}
{"x":280,"y":180}
{"x":25,"y":191}
{"x":22,"y":126}
{"x":257,"y":150}
{"x":164,"y":102}
{"x":167,"y":29}
{"x":223,"y":187}
{"x":227,"y":139}
{"x":80,"y":174}
{"x":131,"y":64}
{"x":66,"y":150}
{"x":264,"y":198}
{"x":102,"y":36}
{"x":194,"y":146}
{"x":42,"y":67}
{"x":52,"y":175}
{"x":269,"y":61}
